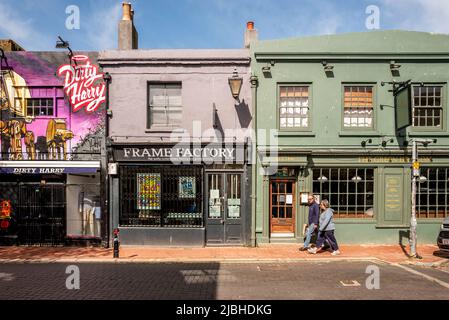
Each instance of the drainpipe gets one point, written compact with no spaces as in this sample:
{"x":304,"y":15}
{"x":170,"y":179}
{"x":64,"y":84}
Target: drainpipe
{"x":254,"y":83}
{"x":107,"y":78}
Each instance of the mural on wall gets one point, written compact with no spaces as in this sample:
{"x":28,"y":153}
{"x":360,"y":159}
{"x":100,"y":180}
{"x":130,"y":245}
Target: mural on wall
{"x":51,"y":107}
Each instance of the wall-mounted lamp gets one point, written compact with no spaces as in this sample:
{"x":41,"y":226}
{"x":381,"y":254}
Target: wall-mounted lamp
{"x":364,"y":142}
{"x":235,"y":83}
{"x":266,"y":69}
{"x":394,"y":66}
{"x":384,"y":142}
{"x":62,"y":44}
{"x":327,"y":67}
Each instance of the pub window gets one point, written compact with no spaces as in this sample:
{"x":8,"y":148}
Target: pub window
{"x":37,"y":107}
{"x":427,"y":106}
{"x":165,"y":104}
{"x":358,"y":107}
{"x":294,"y":107}
{"x":161,"y":196}
{"x":350,"y":191}
{"x":432,"y":198}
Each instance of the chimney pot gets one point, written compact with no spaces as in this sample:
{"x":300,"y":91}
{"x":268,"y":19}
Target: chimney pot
{"x":126,"y":6}
{"x":250,"y":34}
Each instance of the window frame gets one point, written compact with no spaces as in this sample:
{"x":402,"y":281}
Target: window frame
{"x":348,"y":218}
{"x":310,"y":115}
{"x":425,"y":216}
{"x":371,"y":129}
{"x":442,"y":127}
{"x":40,"y":106}
{"x":149,"y":125}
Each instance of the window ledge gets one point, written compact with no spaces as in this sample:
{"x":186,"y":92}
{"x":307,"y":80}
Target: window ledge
{"x":356,"y":133}
{"x":164,"y":130}
{"x":430,"y":220}
{"x":354,"y":221}
{"x":295,"y":134}
{"x":428,"y":134}
{"x":393,"y":226}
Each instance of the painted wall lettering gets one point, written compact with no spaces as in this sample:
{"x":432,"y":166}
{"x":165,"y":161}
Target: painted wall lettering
{"x":80,"y":84}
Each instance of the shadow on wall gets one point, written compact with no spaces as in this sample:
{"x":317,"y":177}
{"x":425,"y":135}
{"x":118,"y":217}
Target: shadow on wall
{"x":243,"y":113}
{"x":217,"y":123}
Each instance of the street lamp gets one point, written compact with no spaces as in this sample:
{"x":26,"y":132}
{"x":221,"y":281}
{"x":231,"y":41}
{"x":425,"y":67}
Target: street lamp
{"x":416,"y":177}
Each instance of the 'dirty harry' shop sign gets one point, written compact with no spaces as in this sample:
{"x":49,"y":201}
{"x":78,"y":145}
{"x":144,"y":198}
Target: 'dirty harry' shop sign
{"x":81,"y":85}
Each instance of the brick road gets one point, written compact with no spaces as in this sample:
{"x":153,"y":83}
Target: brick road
{"x":182,"y":281}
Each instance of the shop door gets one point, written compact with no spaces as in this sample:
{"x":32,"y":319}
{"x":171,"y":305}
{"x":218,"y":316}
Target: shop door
{"x":282,"y":207}
{"x":224,"y":209}
{"x":41,"y":212}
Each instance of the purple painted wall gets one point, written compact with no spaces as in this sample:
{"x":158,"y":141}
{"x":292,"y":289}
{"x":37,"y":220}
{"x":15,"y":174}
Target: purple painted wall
{"x":38,"y":71}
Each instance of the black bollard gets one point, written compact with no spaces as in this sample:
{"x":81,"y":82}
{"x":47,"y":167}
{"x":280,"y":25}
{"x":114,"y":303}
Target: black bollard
{"x":116,"y":244}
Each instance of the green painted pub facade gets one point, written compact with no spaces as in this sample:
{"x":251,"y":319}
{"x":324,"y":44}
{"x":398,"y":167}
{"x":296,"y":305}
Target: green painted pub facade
{"x":325,"y":118}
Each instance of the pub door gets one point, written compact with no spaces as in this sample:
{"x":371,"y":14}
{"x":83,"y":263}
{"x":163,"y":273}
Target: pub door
{"x":282,"y":207}
{"x":224,"y":209}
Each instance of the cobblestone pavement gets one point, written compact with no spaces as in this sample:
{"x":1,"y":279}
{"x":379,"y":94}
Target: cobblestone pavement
{"x":182,"y":281}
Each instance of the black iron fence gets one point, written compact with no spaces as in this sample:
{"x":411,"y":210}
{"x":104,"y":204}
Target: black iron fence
{"x":38,"y":213}
{"x":161,"y":196}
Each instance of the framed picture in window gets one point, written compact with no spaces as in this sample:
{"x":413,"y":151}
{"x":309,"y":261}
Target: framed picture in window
{"x":187,"y":187}
{"x":149,"y":191}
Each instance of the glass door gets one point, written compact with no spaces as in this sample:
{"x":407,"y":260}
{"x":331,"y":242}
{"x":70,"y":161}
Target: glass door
{"x":282,"y":206}
{"x":224,"y":203}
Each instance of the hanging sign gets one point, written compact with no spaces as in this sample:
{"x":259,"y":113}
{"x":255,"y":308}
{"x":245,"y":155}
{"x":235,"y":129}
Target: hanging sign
{"x":81,"y":85}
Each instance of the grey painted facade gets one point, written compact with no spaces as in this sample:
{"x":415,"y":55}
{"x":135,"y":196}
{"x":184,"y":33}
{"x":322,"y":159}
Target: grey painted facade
{"x":209,"y":113}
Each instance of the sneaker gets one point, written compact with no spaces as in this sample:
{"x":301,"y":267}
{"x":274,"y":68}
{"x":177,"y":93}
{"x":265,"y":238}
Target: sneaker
{"x":312,"y":250}
{"x":335,"y":253}
{"x":303,"y":249}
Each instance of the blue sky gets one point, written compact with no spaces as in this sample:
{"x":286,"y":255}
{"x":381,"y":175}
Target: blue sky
{"x":208,"y":23}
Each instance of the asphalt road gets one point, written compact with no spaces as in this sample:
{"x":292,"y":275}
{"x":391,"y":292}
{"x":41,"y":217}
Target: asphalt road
{"x":342,"y":280}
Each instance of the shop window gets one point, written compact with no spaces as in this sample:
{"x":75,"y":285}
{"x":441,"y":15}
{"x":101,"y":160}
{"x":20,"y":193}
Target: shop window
{"x":36,"y":107}
{"x":165,"y":104}
{"x":294,"y":107}
{"x":427,"y":106}
{"x":432,"y":198}
{"x":161,"y":196}
{"x":358,"y":107}
{"x":350,"y":191}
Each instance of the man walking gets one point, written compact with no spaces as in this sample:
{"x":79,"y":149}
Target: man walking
{"x":314,"y":213}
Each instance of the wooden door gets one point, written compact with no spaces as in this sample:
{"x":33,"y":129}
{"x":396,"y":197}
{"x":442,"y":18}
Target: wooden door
{"x":282,"y":206}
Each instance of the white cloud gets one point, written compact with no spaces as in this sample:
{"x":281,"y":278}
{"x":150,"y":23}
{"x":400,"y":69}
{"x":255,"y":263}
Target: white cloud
{"x":422,"y":15}
{"x":100,"y":27}
{"x":21,"y":30}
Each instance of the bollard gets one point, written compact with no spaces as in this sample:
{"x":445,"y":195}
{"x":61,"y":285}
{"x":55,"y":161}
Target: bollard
{"x":116,"y":243}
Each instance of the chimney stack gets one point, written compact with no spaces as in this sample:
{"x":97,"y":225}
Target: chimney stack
{"x":127,"y":33}
{"x":250,"y":33}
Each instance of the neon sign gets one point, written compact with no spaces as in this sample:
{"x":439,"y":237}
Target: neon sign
{"x":80,"y":84}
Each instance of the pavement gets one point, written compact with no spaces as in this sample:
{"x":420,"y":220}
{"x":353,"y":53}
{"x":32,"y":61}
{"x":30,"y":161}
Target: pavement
{"x":431,"y":256}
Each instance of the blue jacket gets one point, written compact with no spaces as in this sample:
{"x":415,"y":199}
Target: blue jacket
{"x":314,"y":213}
{"x":326,"y":223}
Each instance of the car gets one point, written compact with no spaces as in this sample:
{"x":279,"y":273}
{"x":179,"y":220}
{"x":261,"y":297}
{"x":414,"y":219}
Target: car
{"x":443,"y":237}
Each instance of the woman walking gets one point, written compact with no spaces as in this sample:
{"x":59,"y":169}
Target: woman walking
{"x":326,"y":230}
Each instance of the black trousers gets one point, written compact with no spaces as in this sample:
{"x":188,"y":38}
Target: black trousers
{"x":329,"y":236}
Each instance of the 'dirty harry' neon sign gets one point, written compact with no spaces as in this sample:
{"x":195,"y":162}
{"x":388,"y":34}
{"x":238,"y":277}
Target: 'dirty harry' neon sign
{"x":80,"y":84}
